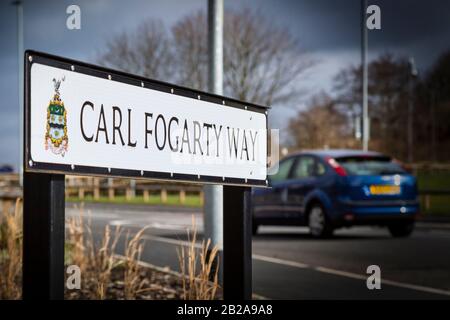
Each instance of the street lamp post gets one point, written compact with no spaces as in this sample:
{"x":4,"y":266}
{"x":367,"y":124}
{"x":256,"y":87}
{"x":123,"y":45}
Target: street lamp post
{"x":19,"y":7}
{"x":227,"y":208}
{"x":412,"y":76}
{"x":365,"y":107}
{"x":213,"y":194}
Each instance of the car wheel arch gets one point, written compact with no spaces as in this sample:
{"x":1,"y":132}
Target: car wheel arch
{"x":320,"y":198}
{"x":310,"y":204}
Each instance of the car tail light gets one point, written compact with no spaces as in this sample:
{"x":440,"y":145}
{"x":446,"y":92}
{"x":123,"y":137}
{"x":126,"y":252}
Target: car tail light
{"x":337,"y":168}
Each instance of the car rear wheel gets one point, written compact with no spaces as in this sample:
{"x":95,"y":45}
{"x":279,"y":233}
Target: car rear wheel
{"x":401,"y":230}
{"x":318,"y":223}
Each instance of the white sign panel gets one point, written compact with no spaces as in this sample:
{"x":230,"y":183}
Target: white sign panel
{"x":84,"y":120}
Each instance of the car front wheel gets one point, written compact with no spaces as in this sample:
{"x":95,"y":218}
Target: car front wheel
{"x":401,"y":230}
{"x":318,"y":223}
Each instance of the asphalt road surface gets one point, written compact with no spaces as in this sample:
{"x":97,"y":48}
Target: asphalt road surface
{"x":289,"y":264}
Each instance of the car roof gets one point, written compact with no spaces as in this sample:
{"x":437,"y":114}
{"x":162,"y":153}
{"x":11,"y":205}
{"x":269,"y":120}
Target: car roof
{"x":338,"y":153}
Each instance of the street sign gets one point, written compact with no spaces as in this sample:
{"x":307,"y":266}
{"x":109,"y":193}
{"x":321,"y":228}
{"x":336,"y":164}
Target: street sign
{"x":88,"y":120}
{"x":85,"y":119}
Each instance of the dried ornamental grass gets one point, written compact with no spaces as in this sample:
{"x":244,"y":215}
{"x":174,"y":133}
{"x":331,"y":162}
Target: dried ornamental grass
{"x":197,"y":266}
{"x":11,"y":252}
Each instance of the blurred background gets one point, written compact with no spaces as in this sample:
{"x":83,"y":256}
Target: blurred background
{"x":302,"y":58}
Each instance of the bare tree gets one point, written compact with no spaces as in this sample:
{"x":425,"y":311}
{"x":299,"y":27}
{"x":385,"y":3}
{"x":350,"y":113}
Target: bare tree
{"x":191,"y":49}
{"x":388,"y":92}
{"x":263,"y":63}
{"x":434,"y":100}
{"x":321,"y":125}
{"x":146,"y":52}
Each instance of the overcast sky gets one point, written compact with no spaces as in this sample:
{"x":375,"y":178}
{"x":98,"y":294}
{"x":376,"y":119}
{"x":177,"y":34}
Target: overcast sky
{"x":328,"y":29}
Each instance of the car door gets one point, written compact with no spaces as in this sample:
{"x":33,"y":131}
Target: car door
{"x":268,"y":202}
{"x":301,"y":181}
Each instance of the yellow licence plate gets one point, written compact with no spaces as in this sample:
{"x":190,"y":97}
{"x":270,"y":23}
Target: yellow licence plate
{"x":374,"y":189}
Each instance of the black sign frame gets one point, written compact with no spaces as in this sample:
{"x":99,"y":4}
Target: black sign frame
{"x":30,"y":165}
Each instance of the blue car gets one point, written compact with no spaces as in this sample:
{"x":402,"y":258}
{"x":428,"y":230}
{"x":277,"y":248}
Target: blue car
{"x":330,"y":189}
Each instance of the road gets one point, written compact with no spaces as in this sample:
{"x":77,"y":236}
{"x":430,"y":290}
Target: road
{"x":289,"y":264}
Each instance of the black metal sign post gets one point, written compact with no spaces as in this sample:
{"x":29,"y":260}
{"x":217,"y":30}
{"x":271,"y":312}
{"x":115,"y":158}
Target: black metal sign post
{"x":44,"y":194}
{"x":237,"y":243}
{"x":43,"y":236}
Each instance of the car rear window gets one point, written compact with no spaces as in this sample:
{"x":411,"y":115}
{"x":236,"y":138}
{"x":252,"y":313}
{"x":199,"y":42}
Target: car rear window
{"x":361,"y":166}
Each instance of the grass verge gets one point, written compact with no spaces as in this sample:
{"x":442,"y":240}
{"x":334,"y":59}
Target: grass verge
{"x":172,"y":200}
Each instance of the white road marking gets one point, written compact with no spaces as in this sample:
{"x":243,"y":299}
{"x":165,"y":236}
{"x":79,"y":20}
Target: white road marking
{"x":321,"y":269}
{"x":170,"y":241}
{"x":154,"y":225}
{"x":354,"y":275}
{"x":342,"y":273}
{"x":385,"y":281}
{"x":115,"y":223}
{"x":281,"y":261}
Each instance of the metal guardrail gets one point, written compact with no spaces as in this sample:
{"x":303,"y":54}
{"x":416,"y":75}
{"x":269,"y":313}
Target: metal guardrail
{"x":9,"y":187}
{"x":426,"y":197}
{"x":81,"y":187}
{"x":98,"y":187}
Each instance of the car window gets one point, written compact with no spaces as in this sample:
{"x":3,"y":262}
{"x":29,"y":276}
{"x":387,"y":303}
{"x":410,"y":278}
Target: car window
{"x":321,"y":170}
{"x":361,"y":166}
{"x":283,"y":170}
{"x":304,"y":168}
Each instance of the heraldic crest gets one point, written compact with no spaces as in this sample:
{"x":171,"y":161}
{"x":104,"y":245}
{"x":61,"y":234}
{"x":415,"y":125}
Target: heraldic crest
{"x":56,"y":138}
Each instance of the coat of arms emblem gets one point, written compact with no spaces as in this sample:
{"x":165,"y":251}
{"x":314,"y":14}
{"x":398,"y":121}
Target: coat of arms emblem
{"x":56,"y":134}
